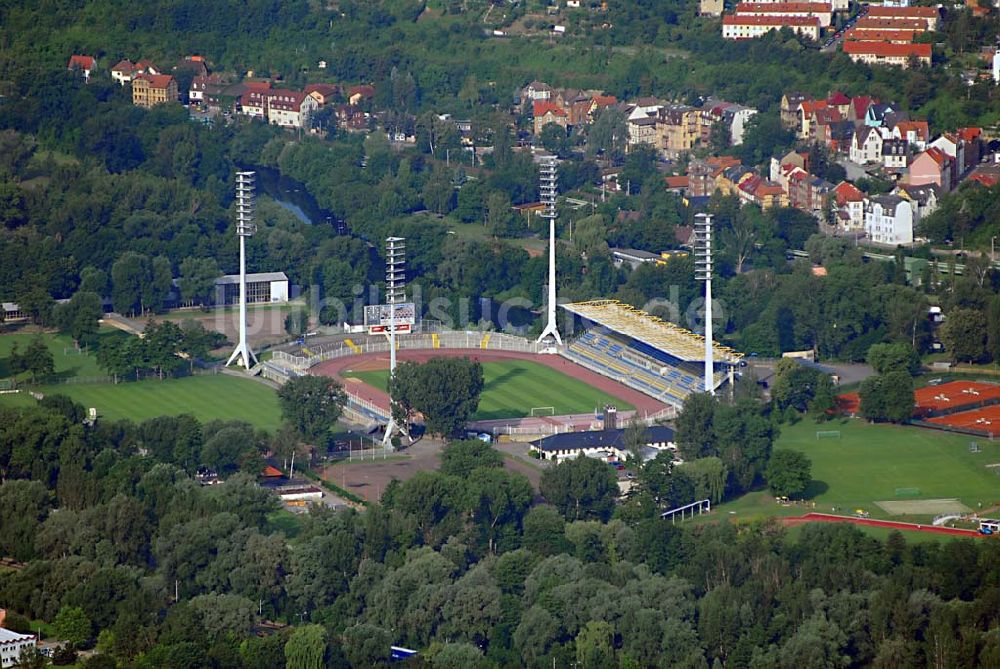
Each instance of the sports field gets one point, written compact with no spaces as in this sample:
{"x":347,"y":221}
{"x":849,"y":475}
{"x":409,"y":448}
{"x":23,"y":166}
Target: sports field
{"x":205,"y":397}
{"x":69,"y":361}
{"x":888,"y":463}
{"x":514,"y":387}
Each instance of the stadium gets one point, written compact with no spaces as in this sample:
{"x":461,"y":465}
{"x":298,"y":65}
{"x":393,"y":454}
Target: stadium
{"x":617,"y":355}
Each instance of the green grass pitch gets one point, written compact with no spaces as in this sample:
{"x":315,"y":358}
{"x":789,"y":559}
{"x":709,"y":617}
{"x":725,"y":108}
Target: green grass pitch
{"x":870,"y":462}
{"x":514,"y":387}
{"x":204,"y":397}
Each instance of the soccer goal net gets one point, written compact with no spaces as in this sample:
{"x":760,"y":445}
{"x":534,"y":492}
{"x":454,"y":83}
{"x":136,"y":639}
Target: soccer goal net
{"x":828,"y":434}
{"x":543,"y":411}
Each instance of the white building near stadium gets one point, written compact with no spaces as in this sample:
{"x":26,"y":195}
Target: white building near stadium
{"x":13,"y":644}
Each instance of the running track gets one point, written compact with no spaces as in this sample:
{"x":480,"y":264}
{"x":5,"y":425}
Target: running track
{"x":890,"y":524}
{"x":371,"y":361}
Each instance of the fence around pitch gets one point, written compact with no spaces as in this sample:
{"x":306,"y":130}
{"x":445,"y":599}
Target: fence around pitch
{"x":497,"y":341}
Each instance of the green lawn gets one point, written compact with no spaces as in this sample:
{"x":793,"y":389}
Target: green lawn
{"x":514,"y":387}
{"x":69,"y":361}
{"x":205,"y":397}
{"x":868,"y":463}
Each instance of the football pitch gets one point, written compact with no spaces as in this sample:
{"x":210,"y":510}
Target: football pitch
{"x":883,"y":463}
{"x":205,"y":397}
{"x":514,"y":387}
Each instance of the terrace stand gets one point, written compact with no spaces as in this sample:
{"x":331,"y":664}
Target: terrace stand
{"x":701,"y":506}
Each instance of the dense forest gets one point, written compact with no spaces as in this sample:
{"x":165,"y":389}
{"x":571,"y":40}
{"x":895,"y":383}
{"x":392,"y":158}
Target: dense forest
{"x":131,"y":556}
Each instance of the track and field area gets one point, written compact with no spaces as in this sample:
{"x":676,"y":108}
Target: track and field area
{"x":514,"y":387}
{"x":205,"y":397}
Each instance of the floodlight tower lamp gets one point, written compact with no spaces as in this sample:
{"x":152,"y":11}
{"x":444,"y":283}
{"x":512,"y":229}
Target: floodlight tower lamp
{"x":395,"y":289}
{"x":703,"y":272}
{"x":245,"y":227}
{"x":548,"y":188}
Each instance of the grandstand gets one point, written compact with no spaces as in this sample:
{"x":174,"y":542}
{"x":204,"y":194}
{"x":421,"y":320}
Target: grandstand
{"x":658,"y":358}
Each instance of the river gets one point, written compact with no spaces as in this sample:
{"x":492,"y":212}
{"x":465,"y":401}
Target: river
{"x":295,"y":197}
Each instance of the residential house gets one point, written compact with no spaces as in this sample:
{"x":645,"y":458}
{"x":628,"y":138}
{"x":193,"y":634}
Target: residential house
{"x":858,"y":110}
{"x":196,"y":65}
{"x":923,"y":199}
{"x":888,"y":53}
{"x":895,"y":154}
{"x":837,"y":136}
{"x":359,"y":94}
{"x":761,"y":192}
{"x":146,"y":66}
{"x":599,"y":103}
{"x":536,"y":91}
{"x":206,"y":89}
{"x":790,"y":109}
{"x":728,"y":180}
{"x":679,"y":128}
{"x":819,"y":10}
{"x":869,"y":23}
{"x":290,"y":109}
{"x":877,"y":112}
{"x":850,"y":203}
{"x":971,"y":139}
{"x":933,"y":166}
{"x":877,"y":35}
{"x":837,"y":100}
{"x":915,"y":132}
{"x":866,"y":146}
{"x":703,"y":174}
{"x":123,"y":71}
{"x":324,"y":94}
{"x":732,"y":115}
{"x":786,"y":162}
{"x":82,"y":64}
{"x":545,"y":112}
{"x":749,"y":27}
{"x":809,"y":193}
{"x":807,"y":113}
{"x":953,"y":145}
{"x":889,"y":220}
{"x":149,"y":90}
{"x":253,"y":101}
{"x":930,"y":17}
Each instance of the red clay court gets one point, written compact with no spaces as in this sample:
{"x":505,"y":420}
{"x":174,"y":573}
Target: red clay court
{"x":933,"y":399}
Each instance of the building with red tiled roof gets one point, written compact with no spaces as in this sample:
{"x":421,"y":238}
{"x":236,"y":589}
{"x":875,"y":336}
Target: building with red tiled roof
{"x":821,"y":10}
{"x":885,"y":53}
{"x":876,"y":35}
{"x":933,"y":166}
{"x":677,"y":183}
{"x":149,"y":90}
{"x":869,"y":23}
{"x":122,"y":72}
{"x":146,"y":66}
{"x":82,"y":64}
{"x":545,"y":112}
{"x":915,"y":132}
{"x":930,"y":16}
{"x":358,"y":94}
{"x":749,"y":27}
{"x":324,"y":93}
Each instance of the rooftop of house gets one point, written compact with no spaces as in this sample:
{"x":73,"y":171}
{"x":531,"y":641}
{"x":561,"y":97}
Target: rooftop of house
{"x":916,"y":25}
{"x":82,"y":62}
{"x":878,"y":35}
{"x":887,"y":49}
{"x":778,"y":20}
{"x":124,"y":65}
{"x":783,"y":7}
{"x":543,"y":107}
{"x":155,"y":80}
{"x":904,"y":12}
{"x":846,"y":192}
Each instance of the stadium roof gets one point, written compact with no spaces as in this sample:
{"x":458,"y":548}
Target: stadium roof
{"x":665,"y":336}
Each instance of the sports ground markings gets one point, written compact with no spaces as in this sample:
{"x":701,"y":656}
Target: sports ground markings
{"x":922,"y":507}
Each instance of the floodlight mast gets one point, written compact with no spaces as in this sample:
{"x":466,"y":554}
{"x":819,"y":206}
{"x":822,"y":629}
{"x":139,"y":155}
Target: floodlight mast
{"x":548,"y":182}
{"x":245,"y":227}
{"x":395,"y":291}
{"x":703,"y":272}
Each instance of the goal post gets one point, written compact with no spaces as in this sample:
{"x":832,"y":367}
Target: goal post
{"x":828,"y":434}
{"x":551,"y":411}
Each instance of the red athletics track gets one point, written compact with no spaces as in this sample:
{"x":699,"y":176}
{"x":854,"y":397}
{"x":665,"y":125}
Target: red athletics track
{"x":371,"y":361}
{"x":890,"y":524}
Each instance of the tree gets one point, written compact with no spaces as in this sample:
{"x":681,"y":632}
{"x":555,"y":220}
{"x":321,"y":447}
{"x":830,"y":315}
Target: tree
{"x":312,"y":404}
{"x":899,"y":357}
{"x":593,"y":646}
{"x":608,"y":134}
{"x":23,"y":507}
{"x":887,"y":397}
{"x":161,"y":280}
{"x":459,"y":656}
{"x":964,"y":334}
{"x":36,"y":359}
{"x":162,"y":341}
{"x":197,"y":280}
{"x":306,"y":648}
{"x":498,"y":500}
{"x":788,"y":473}
{"x":130,"y":278}
{"x":72,"y":626}
{"x":79,"y":317}
{"x":367,"y":645}
{"x":445,"y":390}
{"x":93,"y":280}
{"x":764,"y":137}
{"x":461,"y":458}
{"x":582,"y":489}
{"x":694,"y":435}
{"x":544,"y":530}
